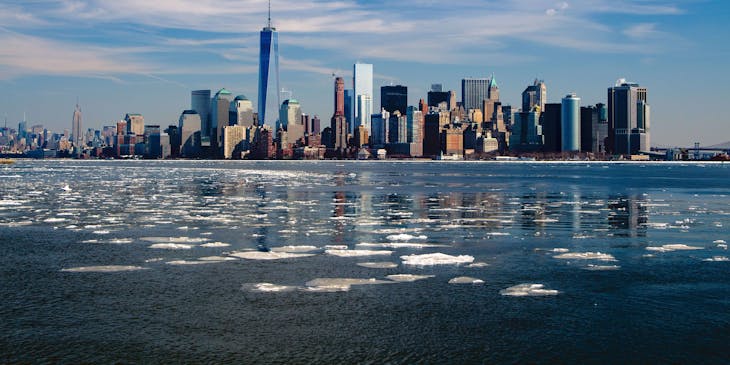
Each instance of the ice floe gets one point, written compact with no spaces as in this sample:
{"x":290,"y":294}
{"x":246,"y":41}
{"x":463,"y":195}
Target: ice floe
{"x":295,"y":249}
{"x":358,"y":253}
{"x":405,"y":237}
{"x":378,"y":265}
{"x":175,"y":239}
{"x":408,"y":278}
{"x":171,"y":246}
{"x":478,"y":265}
{"x":586,"y":256}
{"x":431,"y":259}
{"x":340,"y":284}
{"x":592,"y":267}
{"x":258,"y":255}
{"x":528,"y":290}
{"x":268,"y":288}
{"x":108,"y":268}
{"x":719,"y":242}
{"x":466,"y":280}
{"x":215,"y":244}
{"x":717,"y":259}
{"x":673,"y":247}
{"x":401,"y":245}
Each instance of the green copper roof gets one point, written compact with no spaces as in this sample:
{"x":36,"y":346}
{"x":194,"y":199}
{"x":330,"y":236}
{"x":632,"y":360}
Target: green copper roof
{"x":241,"y":97}
{"x":223,"y":91}
{"x":493,"y":82}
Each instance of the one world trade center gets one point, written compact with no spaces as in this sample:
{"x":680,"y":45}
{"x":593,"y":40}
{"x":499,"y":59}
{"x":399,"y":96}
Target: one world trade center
{"x":268,"y":52}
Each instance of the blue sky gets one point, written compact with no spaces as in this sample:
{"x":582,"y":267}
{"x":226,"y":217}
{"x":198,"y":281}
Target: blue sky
{"x":120,"y":56}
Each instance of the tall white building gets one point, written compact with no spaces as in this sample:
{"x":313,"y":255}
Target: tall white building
{"x":364,"y":111}
{"x":362,"y":85}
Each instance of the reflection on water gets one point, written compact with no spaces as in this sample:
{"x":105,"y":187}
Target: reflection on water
{"x":155,"y":261}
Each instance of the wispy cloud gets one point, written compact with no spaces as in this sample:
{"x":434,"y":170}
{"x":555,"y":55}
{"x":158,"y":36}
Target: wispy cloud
{"x":415,"y":31}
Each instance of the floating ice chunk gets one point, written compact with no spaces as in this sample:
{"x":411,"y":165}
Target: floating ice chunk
{"x":378,"y":265}
{"x":499,"y":233}
{"x":408,"y":278}
{"x":560,"y":250}
{"x":601,"y":267}
{"x":185,"y":262}
{"x":722,"y":246}
{"x":54,"y":220}
{"x":335,"y":247}
{"x":718,"y":259}
{"x":215,"y":244}
{"x":405,"y":237}
{"x":586,"y":256}
{"x":101,"y":232}
{"x":719,"y":242}
{"x":358,"y":253}
{"x":175,"y":239}
{"x":217,"y":258}
{"x":673,"y":247}
{"x":528,"y":290}
{"x":401,"y":245}
{"x":90,"y":241}
{"x":258,"y":255}
{"x":268,"y":288}
{"x":109,"y":268}
{"x":545,"y":220}
{"x":436,"y":259}
{"x":295,"y":249}
{"x":340,"y":284}
{"x":466,"y":280}
{"x":171,"y":246}
{"x":478,"y":265}
{"x":120,"y":241}
{"x":156,"y":259}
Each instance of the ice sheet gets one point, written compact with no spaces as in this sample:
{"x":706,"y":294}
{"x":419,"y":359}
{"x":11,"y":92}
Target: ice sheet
{"x":528,"y":290}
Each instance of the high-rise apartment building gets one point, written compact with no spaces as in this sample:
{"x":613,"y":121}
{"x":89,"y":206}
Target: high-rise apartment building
{"x":268,"y":68}
{"x":570,"y":123}
{"x":338,"y":123}
{"x":363,"y":85}
{"x":628,"y":119}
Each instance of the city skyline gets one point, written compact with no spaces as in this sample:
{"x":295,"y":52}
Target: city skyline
{"x":581,"y":48}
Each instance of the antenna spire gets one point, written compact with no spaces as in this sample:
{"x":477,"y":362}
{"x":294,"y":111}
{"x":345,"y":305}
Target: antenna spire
{"x":269,"y":13}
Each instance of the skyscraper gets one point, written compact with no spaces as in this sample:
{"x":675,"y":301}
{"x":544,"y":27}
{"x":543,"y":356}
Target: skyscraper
{"x":75,"y":127}
{"x":534,"y":95}
{"x":394,"y":98}
{"x":190,"y":130}
{"x":135,"y":124}
{"x":338,"y":123}
{"x":350,"y":104}
{"x":363,"y":105}
{"x":628,"y":119}
{"x":570,"y":123}
{"x":363,"y":85}
{"x":269,"y":48}
{"x":200,"y":102}
{"x":473,"y":93}
{"x":242,"y":110}
{"x":219,"y":118}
